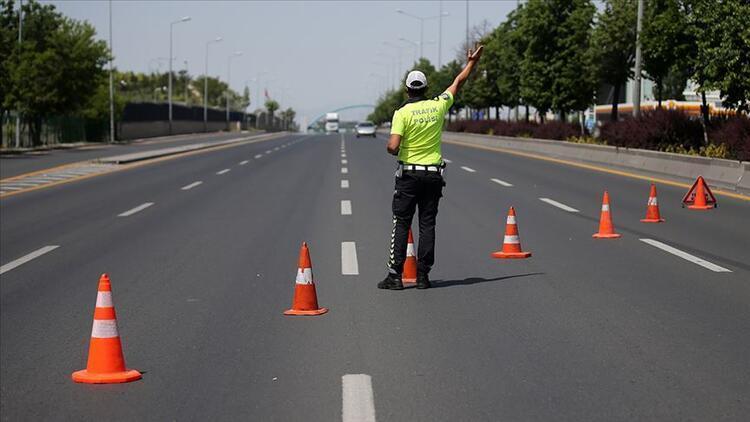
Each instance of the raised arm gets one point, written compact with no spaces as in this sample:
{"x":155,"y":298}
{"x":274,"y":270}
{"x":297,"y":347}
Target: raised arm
{"x":472,"y":58}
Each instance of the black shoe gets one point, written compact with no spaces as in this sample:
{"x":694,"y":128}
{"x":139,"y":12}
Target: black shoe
{"x":423,"y":282}
{"x":391,"y":282}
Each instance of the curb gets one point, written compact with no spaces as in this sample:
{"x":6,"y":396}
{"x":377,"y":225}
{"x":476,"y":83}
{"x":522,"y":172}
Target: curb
{"x":727,"y":174}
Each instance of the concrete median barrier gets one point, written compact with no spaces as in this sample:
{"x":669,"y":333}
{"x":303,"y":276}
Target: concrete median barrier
{"x":727,"y":174}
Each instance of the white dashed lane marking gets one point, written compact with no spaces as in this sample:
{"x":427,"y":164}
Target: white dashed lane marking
{"x":192,"y":185}
{"x":26,"y":258}
{"x":349,"y":264}
{"x":220,"y":172}
{"x":358,"y":401}
{"x":346,"y":207}
{"x":258,"y":156}
{"x":558,"y":205}
{"x":344,"y":170}
{"x":502,"y":183}
{"x":447,"y":160}
{"x":132,"y":211}
{"x":242,"y":163}
{"x":344,"y":184}
{"x":686,"y":256}
{"x":344,"y":161}
{"x":469,"y":169}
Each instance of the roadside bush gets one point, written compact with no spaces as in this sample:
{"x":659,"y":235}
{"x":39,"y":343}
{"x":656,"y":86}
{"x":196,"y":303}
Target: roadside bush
{"x":656,"y":130}
{"x":520,"y":129}
{"x":552,"y":130}
{"x":734,"y":133}
{"x":557,"y":130}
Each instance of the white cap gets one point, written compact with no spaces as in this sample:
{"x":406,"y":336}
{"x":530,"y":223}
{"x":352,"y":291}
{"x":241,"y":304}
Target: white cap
{"x":416,"y":80}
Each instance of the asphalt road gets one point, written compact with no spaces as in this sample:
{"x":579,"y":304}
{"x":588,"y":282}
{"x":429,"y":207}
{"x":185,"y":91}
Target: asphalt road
{"x":17,"y":164}
{"x":586,"y":329}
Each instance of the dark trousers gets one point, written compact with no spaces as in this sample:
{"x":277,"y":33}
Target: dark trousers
{"x":415,"y":190}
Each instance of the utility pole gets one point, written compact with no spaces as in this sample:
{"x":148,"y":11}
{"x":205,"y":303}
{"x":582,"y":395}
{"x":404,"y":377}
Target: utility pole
{"x":111,"y":82}
{"x":187,"y":82}
{"x":171,"y":26}
{"x":20,"y":38}
{"x":467,"y":25}
{"x":440,"y":36}
{"x":638,"y":59}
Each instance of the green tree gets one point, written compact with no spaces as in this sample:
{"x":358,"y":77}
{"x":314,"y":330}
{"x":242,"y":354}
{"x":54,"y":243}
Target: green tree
{"x":216,"y":90}
{"x":573,"y":84}
{"x":507,"y":47}
{"x":272,"y":106}
{"x":668,"y":46}
{"x":536,"y":27}
{"x":722,"y":35}
{"x":443,"y":78}
{"x":245,"y":101}
{"x":613,"y":46}
{"x":8,"y":38}
{"x":56,"y":68}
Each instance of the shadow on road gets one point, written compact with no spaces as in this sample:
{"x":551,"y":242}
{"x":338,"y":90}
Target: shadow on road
{"x":476,"y":280}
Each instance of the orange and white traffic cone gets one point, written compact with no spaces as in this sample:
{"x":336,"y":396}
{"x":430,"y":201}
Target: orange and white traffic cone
{"x":652,"y":208}
{"x":106,"y":363}
{"x":409,"y":275}
{"x":606,"y":229}
{"x":305,"y":298}
{"x":511,"y":241}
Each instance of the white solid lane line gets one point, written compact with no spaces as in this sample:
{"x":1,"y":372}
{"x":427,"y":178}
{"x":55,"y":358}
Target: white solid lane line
{"x":258,"y":156}
{"x":502,"y":183}
{"x":358,"y":402}
{"x":349,"y":264}
{"x":447,"y":160}
{"x":139,"y":208}
{"x":344,"y":184}
{"x":346,"y":207}
{"x":26,"y":258}
{"x":344,"y":170}
{"x":242,"y":163}
{"x":220,"y":172}
{"x":192,"y":185}
{"x":686,"y":256}
{"x":469,"y":169}
{"x":558,"y":205}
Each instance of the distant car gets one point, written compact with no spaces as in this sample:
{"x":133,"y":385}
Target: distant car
{"x":365,"y":129}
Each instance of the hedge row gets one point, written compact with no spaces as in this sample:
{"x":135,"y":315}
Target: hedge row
{"x":661,"y":130}
{"x":552,"y":130}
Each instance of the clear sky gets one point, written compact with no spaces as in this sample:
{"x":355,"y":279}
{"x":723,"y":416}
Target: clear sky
{"x":318,"y":55}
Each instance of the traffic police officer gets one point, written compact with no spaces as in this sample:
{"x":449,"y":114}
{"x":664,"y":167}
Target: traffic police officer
{"x":416,"y":139}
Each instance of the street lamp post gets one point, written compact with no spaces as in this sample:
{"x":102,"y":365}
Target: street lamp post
{"x":187,"y":81}
{"x":169,"y":94}
{"x":229,"y":78}
{"x":205,"y":86}
{"x":111,"y":82}
{"x":421,"y":20}
{"x":20,"y":39}
{"x":638,"y":59}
